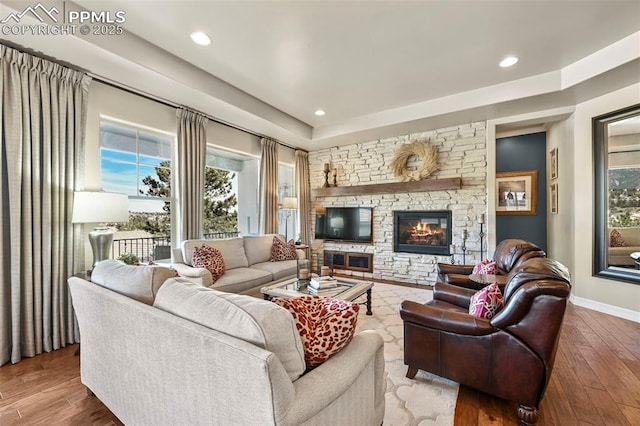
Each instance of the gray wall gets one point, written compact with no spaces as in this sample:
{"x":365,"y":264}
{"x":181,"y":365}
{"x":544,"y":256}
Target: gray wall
{"x":522,"y":153}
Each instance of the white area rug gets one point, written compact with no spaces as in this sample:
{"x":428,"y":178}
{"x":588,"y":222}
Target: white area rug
{"x":425,"y":400}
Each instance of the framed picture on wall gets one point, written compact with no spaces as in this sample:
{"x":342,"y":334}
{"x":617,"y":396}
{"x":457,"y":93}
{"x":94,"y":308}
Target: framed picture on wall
{"x":553,"y":198}
{"x":517,"y":193}
{"x":553,"y":163}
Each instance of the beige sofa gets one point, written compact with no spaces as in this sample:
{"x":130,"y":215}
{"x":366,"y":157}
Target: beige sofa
{"x":197,"y":356}
{"x":620,"y":256}
{"x":247,"y":261}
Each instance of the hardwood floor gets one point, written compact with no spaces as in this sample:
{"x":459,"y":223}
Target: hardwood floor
{"x":596,"y":381}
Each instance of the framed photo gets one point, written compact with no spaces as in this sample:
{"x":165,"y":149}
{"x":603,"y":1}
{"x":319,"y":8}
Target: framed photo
{"x":553,"y":163}
{"x":517,"y":193}
{"x":553,"y":198}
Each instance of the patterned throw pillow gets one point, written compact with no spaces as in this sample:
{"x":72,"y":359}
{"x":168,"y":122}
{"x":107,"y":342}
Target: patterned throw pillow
{"x":283,"y":251}
{"x":210,"y":258}
{"x":485,"y":267}
{"x":487,"y":302}
{"x":616,"y":239}
{"x":325,"y":325}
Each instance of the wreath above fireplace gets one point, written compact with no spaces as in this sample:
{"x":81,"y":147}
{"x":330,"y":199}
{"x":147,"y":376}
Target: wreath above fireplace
{"x":421,"y":149}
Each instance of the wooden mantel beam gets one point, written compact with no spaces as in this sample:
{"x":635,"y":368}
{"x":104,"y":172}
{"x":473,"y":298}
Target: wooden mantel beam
{"x":387,"y":188}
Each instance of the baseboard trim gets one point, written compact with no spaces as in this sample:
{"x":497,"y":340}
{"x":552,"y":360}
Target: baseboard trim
{"x":615,"y":311}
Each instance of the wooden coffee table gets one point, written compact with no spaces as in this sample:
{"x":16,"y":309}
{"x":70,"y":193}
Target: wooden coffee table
{"x":347,"y":289}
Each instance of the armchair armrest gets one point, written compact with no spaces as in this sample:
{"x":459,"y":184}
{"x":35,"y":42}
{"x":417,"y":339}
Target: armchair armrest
{"x":323,"y":385}
{"x":459,"y":296}
{"x":458,"y":279}
{"x":445,"y":268}
{"x":200,"y":276}
{"x":444,"y":320}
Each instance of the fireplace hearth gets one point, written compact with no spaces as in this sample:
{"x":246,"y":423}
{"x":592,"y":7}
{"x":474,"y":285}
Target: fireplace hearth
{"x":423,"y":232}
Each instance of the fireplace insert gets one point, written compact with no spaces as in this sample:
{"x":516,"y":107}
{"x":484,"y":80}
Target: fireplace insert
{"x":423,"y":232}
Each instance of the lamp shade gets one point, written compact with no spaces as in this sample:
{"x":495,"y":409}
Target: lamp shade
{"x":100,"y":207}
{"x":289,"y":203}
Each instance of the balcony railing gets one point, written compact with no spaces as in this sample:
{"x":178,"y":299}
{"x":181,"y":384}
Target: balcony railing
{"x":156,"y":248}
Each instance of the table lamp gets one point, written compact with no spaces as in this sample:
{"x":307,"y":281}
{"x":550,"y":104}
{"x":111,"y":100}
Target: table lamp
{"x":101,"y":208}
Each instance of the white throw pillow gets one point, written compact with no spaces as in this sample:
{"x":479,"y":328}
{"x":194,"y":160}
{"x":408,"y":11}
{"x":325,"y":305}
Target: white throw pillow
{"x":254,"y":320}
{"x":137,"y":282}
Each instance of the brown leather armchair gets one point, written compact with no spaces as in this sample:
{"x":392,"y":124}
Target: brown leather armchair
{"x":509,"y":253}
{"x":510,"y":356}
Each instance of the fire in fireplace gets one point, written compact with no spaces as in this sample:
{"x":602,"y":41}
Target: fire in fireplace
{"x":424,"y":232}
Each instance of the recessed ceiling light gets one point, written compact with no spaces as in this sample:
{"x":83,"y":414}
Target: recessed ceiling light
{"x":201,"y":38}
{"x":319,"y":113}
{"x":509,"y":61}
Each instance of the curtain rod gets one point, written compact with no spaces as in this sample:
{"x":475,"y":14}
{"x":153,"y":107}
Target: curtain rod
{"x":137,"y":92}
{"x":171,"y":104}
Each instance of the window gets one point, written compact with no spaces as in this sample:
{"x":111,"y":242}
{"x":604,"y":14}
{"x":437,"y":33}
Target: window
{"x":137,"y":162}
{"x":221,"y":192}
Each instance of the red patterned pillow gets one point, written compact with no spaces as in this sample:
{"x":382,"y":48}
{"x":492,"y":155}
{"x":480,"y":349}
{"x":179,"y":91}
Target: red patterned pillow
{"x":487,"y":302}
{"x":485,"y":267}
{"x":616,"y":239}
{"x":210,"y":258}
{"x":325,"y":325}
{"x":283,"y":251}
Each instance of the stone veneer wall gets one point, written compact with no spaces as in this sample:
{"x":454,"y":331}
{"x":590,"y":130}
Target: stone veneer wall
{"x":461,"y":153}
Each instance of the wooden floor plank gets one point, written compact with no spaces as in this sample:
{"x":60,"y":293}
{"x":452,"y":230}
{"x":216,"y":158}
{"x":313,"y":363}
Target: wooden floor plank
{"x":577,"y":395}
{"x":606,"y":406}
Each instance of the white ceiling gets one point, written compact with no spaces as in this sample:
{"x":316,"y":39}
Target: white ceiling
{"x":376,"y":68}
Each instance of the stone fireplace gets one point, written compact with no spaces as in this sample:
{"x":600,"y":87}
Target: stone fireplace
{"x":423,"y":232}
{"x":462,"y":153}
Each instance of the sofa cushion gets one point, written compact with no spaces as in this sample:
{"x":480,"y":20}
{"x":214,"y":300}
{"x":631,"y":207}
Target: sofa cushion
{"x":278,"y":270}
{"x":137,"y":282}
{"x":283,"y":251}
{"x":258,"y":248}
{"x":210,"y":258}
{"x":232,"y":251}
{"x":326,"y":325}
{"x":241,"y":279}
{"x":485,"y":267}
{"x":487,"y":302}
{"x":616,"y":239}
{"x":257,"y":321}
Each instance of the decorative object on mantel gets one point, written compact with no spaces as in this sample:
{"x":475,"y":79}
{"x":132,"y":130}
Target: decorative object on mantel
{"x":326,"y":175}
{"x":335,"y":174}
{"x":425,"y":151}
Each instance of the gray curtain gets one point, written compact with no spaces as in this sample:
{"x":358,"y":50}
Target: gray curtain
{"x":43,"y":116}
{"x":192,"y":156}
{"x":269,"y":187}
{"x":303,"y":191}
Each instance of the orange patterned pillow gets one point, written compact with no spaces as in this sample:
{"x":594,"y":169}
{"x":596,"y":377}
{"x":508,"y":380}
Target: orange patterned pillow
{"x":283,"y":251}
{"x":210,"y":258}
{"x":616,"y":239}
{"x":325,"y":325}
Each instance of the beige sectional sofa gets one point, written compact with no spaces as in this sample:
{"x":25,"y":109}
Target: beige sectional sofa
{"x":196,"y":356}
{"x":247,"y":262}
{"x":620,"y":256}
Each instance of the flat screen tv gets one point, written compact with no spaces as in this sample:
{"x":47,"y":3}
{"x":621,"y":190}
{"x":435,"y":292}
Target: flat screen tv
{"x":349,"y":224}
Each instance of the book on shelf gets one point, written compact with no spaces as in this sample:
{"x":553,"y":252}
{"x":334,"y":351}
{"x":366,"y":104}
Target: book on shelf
{"x":320,"y":283}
